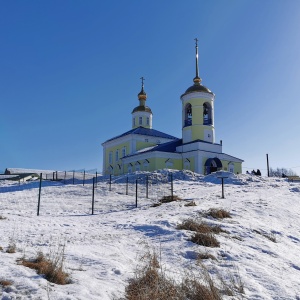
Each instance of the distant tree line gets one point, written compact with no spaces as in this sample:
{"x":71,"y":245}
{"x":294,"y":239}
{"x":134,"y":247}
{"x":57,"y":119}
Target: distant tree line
{"x":282,"y":172}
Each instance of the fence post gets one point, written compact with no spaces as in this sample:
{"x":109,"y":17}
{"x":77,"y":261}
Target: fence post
{"x":73,"y":177}
{"x":96,"y":178}
{"x":39,"y":200}
{"x":222,"y":188}
{"x":109,"y":182}
{"x":172,"y":186}
{"x":83,"y":177}
{"x":136,"y":193}
{"x":93,"y":198}
{"x":147,"y":181}
{"x":127,"y":185}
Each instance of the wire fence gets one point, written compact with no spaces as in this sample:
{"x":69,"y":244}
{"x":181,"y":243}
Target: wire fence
{"x":81,"y":193}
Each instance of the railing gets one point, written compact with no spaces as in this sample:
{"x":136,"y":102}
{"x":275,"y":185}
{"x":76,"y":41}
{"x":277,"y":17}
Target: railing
{"x":187,"y":122}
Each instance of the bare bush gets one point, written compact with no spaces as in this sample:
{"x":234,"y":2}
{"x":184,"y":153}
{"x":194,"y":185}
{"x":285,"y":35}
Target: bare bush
{"x":2,"y":218}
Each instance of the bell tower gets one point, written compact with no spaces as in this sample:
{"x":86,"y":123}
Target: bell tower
{"x":198,"y":111}
{"x":142,"y":114}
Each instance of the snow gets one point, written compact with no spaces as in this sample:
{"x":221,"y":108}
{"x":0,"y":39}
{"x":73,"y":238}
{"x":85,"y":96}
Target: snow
{"x":102,"y":250}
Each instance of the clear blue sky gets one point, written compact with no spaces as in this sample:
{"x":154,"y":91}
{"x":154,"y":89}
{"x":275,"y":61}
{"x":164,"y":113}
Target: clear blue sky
{"x":70,"y":74}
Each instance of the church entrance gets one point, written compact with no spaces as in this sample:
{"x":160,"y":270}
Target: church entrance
{"x":212,"y":165}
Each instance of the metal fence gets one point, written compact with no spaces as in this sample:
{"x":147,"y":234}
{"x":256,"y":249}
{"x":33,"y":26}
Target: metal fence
{"x":69,"y":193}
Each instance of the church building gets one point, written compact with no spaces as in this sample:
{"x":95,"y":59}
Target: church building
{"x":145,"y":149}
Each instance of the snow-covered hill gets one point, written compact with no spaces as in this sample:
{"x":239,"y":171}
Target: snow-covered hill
{"x":101,"y":250}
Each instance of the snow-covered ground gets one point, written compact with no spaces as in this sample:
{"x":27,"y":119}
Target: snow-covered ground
{"x":102,"y":250}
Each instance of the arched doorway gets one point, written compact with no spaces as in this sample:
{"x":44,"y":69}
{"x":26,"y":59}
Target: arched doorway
{"x":212,"y":165}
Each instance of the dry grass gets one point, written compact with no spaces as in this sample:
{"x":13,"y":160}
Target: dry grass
{"x":218,"y":213}
{"x":151,"y":282}
{"x":11,"y":248}
{"x":205,"y":239}
{"x":192,"y":203}
{"x":167,"y":199}
{"x":270,"y":236}
{"x":155,"y":205}
{"x":2,"y":218}
{"x":205,"y":255}
{"x":5,"y":283}
{"x":52,"y":269}
{"x":200,"y":227}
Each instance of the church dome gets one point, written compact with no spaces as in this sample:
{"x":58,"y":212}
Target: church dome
{"x":142,"y":108}
{"x":198,"y":88}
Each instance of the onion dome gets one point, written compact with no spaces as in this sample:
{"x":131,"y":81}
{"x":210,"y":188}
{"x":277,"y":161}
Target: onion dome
{"x":142,"y":96}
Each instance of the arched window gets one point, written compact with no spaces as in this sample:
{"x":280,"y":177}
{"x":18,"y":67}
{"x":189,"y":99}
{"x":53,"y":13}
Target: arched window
{"x":137,"y":166}
{"x":207,"y":114}
{"x":231,"y":167}
{"x":146,"y":164}
{"x":169,"y":163}
{"x":124,"y":151}
{"x":129,"y":169}
{"x":110,"y":170}
{"x":188,"y":115}
{"x":187,"y":164}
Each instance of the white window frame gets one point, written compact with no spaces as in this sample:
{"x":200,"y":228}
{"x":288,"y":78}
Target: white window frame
{"x":110,"y":157}
{"x":117,"y":155}
{"x":140,"y":120}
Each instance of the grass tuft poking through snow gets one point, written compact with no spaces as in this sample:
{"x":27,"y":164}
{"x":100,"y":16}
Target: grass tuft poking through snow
{"x":151,"y":282}
{"x":218,"y":213}
{"x":5,"y":283}
{"x":167,"y":199}
{"x":200,"y":227}
{"x":52,"y":269}
{"x":205,"y":239}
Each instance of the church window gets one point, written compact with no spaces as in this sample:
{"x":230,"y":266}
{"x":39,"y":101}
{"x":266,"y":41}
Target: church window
{"x":130,"y":168}
{"x":137,"y":166}
{"x":146,"y":164}
{"x":117,"y":155}
{"x":110,"y":157}
{"x":207,"y":114}
{"x":188,"y":115}
{"x":124,"y":152}
{"x":140,"y":120}
{"x":148,"y":122}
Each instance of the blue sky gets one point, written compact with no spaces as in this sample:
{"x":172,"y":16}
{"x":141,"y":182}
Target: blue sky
{"x":70,"y":74}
